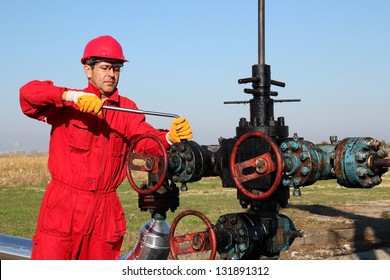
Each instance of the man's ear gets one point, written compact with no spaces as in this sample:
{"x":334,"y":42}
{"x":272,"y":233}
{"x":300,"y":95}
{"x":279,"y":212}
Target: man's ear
{"x":88,"y":71}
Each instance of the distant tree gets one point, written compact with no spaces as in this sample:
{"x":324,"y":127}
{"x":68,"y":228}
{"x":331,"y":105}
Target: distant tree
{"x":324,"y":143}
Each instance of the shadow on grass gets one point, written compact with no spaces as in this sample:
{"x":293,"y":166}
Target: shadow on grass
{"x":369,"y":233}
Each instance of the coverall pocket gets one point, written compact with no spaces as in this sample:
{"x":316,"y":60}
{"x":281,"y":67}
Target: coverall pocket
{"x":120,"y":226}
{"x":112,"y":222}
{"x":79,"y":136}
{"x":57,"y":217}
{"x":117,"y":146}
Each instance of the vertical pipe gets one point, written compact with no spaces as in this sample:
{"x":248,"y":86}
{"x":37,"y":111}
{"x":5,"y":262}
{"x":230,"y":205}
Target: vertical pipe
{"x":261,"y":32}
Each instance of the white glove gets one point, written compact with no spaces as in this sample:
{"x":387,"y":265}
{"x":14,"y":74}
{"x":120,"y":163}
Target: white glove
{"x":73,"y":96}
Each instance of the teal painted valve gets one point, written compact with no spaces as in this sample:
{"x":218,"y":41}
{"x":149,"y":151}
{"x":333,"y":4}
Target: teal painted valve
{"x":356,"y":162}
{"x":360,"y":162}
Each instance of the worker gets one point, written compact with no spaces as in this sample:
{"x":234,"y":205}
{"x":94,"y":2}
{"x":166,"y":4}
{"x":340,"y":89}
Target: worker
{"x":81,"y":216}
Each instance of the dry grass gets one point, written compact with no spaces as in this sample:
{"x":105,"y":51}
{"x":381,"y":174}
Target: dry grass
{"x":31,"y":169}
{"x":23,"y":169}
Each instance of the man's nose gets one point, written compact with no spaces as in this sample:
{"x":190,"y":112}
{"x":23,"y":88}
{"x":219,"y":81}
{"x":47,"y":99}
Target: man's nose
{"x":111,"y":72}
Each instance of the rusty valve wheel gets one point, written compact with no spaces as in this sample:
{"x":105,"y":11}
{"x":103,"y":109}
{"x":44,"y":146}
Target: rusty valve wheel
{"x":151,"y":164}
{"x":199,"y":241}
{"x":263,"y":165}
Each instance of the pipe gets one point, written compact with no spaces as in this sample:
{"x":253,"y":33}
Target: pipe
{"x":261,"y":32}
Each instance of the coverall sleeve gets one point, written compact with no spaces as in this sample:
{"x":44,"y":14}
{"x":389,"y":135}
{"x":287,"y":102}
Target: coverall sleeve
{"x":38,"y":97}
{"x":148,"y":146}
{"x":137,"y":125}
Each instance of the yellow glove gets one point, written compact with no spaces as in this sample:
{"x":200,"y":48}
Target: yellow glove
{"x":180,"y":130}
{"x":87,"y":102}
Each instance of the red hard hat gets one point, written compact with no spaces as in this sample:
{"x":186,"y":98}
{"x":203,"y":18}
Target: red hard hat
{"x":104,"y":47}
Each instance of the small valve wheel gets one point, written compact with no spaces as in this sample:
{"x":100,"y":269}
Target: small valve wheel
{"x":151,"y":164}
{"x":263,"y":165}
{"x":199,"y":241}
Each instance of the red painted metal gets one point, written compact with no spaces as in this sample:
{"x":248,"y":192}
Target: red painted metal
{"x":153,"y":164}
{"x":196,"y":242}
{"x":270,"y":166}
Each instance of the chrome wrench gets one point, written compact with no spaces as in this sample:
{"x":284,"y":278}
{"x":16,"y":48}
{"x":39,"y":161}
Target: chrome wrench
{"x":136,"y":111}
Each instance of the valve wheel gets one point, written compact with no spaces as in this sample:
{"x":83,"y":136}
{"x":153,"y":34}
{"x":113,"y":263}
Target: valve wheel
{"x":200,"y":241}
{"x":152,"y":164}
{"x":263,"y":164}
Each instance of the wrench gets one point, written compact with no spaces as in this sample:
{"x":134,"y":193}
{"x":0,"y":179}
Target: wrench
{"x":140,"y":111}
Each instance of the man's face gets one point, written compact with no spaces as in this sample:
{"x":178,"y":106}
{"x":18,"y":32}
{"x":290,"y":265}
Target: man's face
{"x":104,"y":75}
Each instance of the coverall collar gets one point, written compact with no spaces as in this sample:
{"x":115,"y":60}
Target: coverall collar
{"x":113,"y":98}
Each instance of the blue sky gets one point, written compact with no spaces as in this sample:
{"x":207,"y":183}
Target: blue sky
{"x":186,"y":57}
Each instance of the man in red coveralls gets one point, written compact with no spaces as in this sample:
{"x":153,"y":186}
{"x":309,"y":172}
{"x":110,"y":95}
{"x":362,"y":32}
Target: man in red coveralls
{"x":81,"y":216}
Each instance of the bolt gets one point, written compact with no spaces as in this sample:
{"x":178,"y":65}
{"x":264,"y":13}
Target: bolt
{"x":367,"y":183}
{"x":376,"y":180}
{"x":333,"y":140}
{"x":304,"y":156}
{"x":296,"y":182}
{"x":224,"y":256}
{"x":374,"y":144}
{"x":370,"y":172}
{"x":361,"y":172}
{"x":242,"y":247}
{"x":242,"y":122}
{"x":244,"y":204}
{"x":189,"y":170}
{"x":189,"y":157}
{"x":295,"y":145}
{"x":221,"y":220}
{"x":241,"y":231}
{"x":283,"y":146}
{"x":297,"y":192}
{"x":305,"y":170}
{"x":182,"y":147}
{"x":261,"y":166}
{"x":149,"y":164}
{"x":184,"y":187}
{"x":382,"y":153}
{"x":366,"y":145}
{"x":285,"y":182}
{"x":197,"y":242}
{"x":173,"y":162}
{"x":361,"y":157}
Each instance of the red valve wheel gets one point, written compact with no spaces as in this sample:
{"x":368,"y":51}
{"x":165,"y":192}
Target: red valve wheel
{"x":263,"y":164}
{"x":200,"y":241}
{"x":152,"y":164}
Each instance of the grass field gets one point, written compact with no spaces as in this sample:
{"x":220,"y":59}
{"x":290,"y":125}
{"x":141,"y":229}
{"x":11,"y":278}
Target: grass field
{"x":23,"y":180}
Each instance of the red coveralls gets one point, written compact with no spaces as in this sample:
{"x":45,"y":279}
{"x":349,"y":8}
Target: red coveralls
{"x":81,"y":216}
